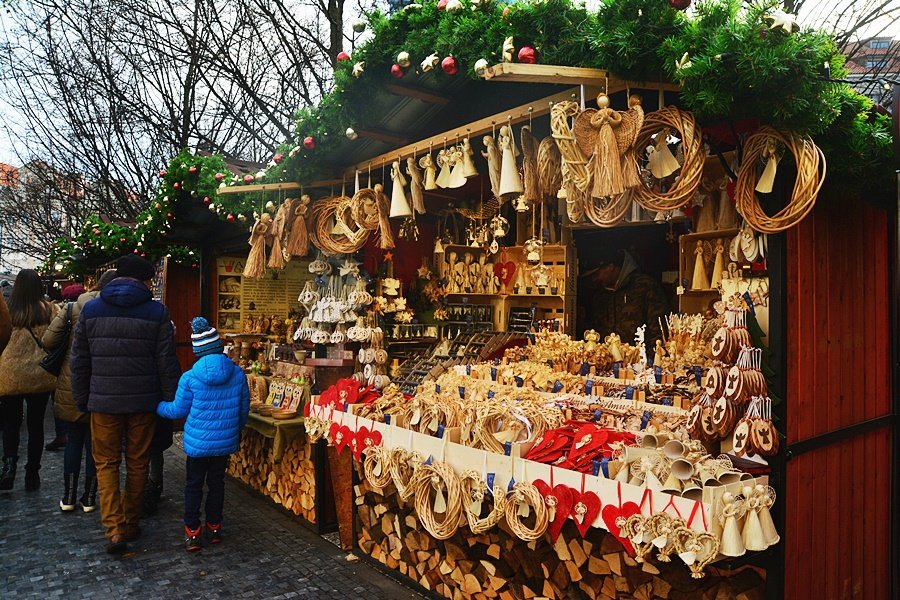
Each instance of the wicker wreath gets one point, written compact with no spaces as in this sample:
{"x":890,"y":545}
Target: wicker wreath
{"x":691,"y":172}
{"x":328,"y":211}
{"x":810,"y":175}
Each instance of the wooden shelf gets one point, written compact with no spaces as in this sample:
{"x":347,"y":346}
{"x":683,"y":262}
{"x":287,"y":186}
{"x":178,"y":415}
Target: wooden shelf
{"x":329,"y":362}
{"x":562,"y":75}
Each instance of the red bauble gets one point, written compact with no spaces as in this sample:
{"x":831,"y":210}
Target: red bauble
{"x":449,"y":66}
{"x":176,"y":185}
{"x":163,"y":173}
{"x":505,"y":10}
{"x":121,"y":239}
{"x":527,"y":55}
{"x":342,"y":56}
{"x":442,"y":4}
{"x":206,"y":200}
{"x":397,"y":71}
{"x":248,"y":178}
{"x":96,"y":232}
{"x":679,"y":4}
{"x":192,"y":170}
{"x":170,"y":216}
{"x":309,"y":143}
{"x":278,"y":158}
{"x":230,"y":218}
{"x":220,"y":176}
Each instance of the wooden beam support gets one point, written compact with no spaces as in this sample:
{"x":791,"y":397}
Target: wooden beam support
{"x":515,"y":115}
{"x":382,"y":136}
{"x":277,"y":187}
{"x":418,"y":93}
{"x":561,"y":75}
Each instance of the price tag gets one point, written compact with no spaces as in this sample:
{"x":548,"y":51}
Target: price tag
{"x":490,"y":483}
{"x":437,"y":389}
{"x":346,"y":406}
{"x":749,"y":302}
{"x":462,"y":392}
{"x":509,"y":488}
{"x":597,"y":414}
{"x":387,"y":419}
{"x":604,"y":465}
{"x":550,"y":362}
{"x":595,"y":467}
{"x":491,"y":394}
{"x":667,"y":402}
{"x":519,"y":381}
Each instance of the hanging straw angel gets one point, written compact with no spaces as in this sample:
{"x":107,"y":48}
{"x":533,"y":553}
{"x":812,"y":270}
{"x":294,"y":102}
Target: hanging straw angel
{"x":732,"y":510}
{"x":700,"y":280}
{"x":608,"y":136}
{"x":510,"y":182}
{"x":416,"y":190}
{"x":530,"y":166}
{"x":469,"y":169}
{"x":298,"y":240}
{"x":275,"y":234}
{"x":718,"y":266}
{"x":492,"y":155}
{"x":256,"y":260}
{"x":752,"y":535}
{"x":661,"y":161}
{"x":427,"y":163}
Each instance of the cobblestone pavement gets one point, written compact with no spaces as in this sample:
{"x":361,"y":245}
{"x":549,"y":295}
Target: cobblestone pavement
{"x":267,"y":553}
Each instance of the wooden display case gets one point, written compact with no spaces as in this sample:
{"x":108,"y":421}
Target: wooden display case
{"x":697,"y":300}
{"x":554,"y":301}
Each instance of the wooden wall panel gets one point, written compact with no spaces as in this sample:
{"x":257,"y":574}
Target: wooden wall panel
{"x":183,"y":302}
{"x":837,"y":522}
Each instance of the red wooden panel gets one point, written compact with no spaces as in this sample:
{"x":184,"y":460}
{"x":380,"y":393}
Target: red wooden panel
{"x":848,"y":512}
{"x":837,"y":519}
{"x":183,"y":302}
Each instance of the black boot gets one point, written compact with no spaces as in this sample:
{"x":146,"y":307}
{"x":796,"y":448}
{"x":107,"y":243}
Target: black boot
{"x":32,"y":479}
{"x":89,"y":498}
{"x":71,"y":492}
{"x":152,"y":493}
{"x":8,"y":474}
{"x":58,"y":443}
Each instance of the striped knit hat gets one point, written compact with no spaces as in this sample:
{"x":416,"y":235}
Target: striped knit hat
{"x":205,"y":338}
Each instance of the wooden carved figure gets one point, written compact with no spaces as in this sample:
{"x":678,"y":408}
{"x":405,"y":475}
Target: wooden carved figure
{"x":718,"y":266}
{"x":608,"y":136}
{"x":416,"y":190}
{"x":427,"y":163}
{"x":530,"y":171}
{"x":700,"y":281}
{"x":492,"y":155}
{"x":256,"y":260}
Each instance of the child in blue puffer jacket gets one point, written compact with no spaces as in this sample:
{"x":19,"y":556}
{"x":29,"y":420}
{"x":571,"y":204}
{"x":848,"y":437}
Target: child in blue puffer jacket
{"x":215,"y":398}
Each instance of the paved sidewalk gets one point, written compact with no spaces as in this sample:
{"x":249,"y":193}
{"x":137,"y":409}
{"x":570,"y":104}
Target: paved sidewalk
{"x":45,"y":553}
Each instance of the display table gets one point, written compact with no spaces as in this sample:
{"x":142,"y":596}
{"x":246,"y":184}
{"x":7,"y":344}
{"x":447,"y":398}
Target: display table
{"x":276,"y":458}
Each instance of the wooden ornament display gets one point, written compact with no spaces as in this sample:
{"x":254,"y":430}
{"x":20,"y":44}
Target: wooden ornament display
{"x":811,"y":168}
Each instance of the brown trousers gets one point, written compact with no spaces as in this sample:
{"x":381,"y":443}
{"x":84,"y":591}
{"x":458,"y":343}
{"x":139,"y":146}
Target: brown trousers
{"x":120,"y":512}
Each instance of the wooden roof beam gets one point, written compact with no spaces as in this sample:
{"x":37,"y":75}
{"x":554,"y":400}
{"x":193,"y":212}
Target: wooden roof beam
{"x":561,"y":75}
{"x":515,"y":115}
{"x":382,"y":136}
{"x":418,"y":93}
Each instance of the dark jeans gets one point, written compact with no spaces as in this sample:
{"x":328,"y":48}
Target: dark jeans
{"x":12,"y":414}
{"x":78,"y":443}
{"x":212,"y":470}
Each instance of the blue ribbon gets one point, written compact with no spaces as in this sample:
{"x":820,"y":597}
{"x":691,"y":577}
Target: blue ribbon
{"x":462,"y":392}
{"x":589,"y":386}
{"x":629,"y":392}
{"x":657,"y":373}
{"x":507,"y":448}
{"x":597,"y":414}
{"x":585,"y":369}
{"x":491,"y":394}
{"x":490,"y":483}
{"x":557,"y":386}
{"x":437,"y":389}
{"x":387,"y":419}
{"x":440,"y":430}
{"x":645,"y":419}
{"x":494,"y":373}
{"x":604,"y":464}
{"x":595,"y":467}
{"x":616,"y":367}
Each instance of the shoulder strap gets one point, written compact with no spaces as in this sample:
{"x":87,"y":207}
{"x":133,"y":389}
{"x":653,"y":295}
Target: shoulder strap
{"x":69,"y":314}
{"x":35,"y":338}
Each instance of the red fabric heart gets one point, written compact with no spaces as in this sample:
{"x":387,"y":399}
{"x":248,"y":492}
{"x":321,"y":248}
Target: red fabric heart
{"x":363,"y":440}
{"x":611,"y":513}
{"x":332,"y":431}
{"x":505,"y":271}
{"x":564,"y":503}
{"x":342,"y":437}
{"x":592,"y":502}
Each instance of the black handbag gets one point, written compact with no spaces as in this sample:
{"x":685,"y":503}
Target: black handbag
{"x":53,"y":362}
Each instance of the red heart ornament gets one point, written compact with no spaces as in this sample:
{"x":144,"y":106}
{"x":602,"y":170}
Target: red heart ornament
{"x":562,"y":495}
{"x":363,"y":440}
{"x":612,"y":513}
{"x":332,"y":432}
{"x":505,"y":271}
{"x":591,"y":502}
{"x":342,"y":438}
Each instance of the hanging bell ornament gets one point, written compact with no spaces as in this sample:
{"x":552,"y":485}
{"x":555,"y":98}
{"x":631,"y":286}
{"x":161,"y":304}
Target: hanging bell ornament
{"x":438,"y":246}
{"x":403,"y":59}
{"x":449,"y":65}
{"x":351,"y":133}
{"x":521,"y":206}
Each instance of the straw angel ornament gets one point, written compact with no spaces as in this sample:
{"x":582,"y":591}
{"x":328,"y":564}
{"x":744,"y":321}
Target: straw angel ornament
{"x":399,"y":203}
{"x":443,"y":161}
{"x":468,"y":164}
{"x":256,"y":260}
{"x":510,"y":182}
{"x":700,"y":280}
{"x":608,"y":136}
{"x":530,"y":166}
{"x":415,"y":185}
{"x":732,"y":510}
{"x":427,"y":163}
{"x":718,"y":266}
{"x":492,"y":155}
{"x":753,"y":536}
{"x":276,"y":232}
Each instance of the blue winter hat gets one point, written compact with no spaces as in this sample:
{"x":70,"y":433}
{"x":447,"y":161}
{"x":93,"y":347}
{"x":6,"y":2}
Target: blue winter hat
{"x":204,"y":338}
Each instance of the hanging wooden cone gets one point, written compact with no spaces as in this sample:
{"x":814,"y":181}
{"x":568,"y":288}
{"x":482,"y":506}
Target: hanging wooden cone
{"x":510,"y":182}
{"x":767,"y":179}
{"x":427,"y":163}
{"x":399,"y":203}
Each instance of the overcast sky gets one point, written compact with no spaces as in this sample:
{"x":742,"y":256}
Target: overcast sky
{"x":817,"y":12}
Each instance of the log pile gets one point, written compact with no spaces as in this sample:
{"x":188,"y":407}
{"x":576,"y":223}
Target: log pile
{"x":498,"y":564}
{"x":291,"y":483}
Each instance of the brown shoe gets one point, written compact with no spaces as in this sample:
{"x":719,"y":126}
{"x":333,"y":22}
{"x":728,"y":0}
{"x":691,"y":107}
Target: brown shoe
{"x":116,"y":545}
{"x":132,"y":534}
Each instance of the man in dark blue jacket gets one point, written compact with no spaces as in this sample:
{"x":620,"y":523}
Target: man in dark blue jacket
{"x":123,"y":364}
